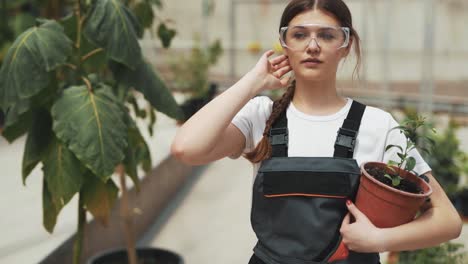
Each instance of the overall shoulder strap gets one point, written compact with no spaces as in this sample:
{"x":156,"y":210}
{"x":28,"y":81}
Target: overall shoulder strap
{"x":347,"y":134}
{"x":278,"y":136}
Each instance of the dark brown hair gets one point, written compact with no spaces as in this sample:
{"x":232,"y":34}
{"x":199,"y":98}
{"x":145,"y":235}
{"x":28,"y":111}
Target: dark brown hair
{"x":340,"y":11}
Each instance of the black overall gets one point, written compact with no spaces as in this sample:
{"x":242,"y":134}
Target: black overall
{"x":299,"y":203}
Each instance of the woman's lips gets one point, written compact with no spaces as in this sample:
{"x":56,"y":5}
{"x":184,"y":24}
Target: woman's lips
{"x":311,"y":62}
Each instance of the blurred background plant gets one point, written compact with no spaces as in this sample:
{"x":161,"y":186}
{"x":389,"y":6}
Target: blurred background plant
{"x":68,"y":82}
{"x":446,"y":253}
{"x":189,"y":74}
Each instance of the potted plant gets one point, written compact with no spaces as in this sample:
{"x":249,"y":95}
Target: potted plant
{"x":189,"y":75}
{"x":68,"y":85}
{"x":449,"y":163}
{"x":391,"y":194}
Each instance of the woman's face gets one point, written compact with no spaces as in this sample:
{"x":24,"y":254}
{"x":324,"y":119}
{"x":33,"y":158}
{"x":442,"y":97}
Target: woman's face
{"x":328,"y":56}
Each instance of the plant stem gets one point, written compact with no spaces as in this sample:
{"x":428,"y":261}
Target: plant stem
{"x":127,"y":218}
{"x":71,"y":66}
{"x":78,"y":31}
{"x":88,"y":84}
{"x":91,"y":53}
{"x":77,"y":248}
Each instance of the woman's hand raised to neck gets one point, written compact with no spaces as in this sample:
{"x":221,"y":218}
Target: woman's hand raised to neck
{"x":317,"y":98}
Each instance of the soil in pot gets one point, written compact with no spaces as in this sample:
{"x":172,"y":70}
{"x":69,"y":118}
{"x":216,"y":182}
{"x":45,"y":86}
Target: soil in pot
{"x":405,"y":185}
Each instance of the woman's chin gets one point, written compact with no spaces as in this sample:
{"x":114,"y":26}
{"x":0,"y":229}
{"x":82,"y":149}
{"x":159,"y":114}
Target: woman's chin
{"x":311,"y":75}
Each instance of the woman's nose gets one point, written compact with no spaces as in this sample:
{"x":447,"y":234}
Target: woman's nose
{"x":313,"y":45}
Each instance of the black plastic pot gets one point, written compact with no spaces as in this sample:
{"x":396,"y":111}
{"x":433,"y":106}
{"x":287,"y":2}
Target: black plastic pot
{"x":145,"y":256}
{"x":192,"y":105}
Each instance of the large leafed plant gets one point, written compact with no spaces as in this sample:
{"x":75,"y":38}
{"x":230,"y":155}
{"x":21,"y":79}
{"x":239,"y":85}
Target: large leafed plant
{"x":67,"y":84}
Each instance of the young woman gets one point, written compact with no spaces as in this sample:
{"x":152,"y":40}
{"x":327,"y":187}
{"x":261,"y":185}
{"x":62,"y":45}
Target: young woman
{"x":306,"y":149}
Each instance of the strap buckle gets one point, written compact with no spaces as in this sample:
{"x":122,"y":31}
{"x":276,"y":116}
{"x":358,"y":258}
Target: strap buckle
{"x":346,"y":138}
{"x":279,"y":136}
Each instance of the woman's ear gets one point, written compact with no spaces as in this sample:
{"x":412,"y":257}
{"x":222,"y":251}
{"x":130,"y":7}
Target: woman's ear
{"x":283,"y":50}
{"x":348,"y":48}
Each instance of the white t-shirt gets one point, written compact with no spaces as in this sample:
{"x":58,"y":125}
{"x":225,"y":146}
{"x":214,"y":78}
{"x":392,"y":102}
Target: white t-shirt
{"x":314,"y":136}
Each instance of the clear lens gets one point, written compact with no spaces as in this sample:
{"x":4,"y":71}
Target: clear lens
{"x":299,"y":37}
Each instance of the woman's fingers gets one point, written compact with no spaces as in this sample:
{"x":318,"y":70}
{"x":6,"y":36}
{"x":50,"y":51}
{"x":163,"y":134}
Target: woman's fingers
{"x":280,"y":72}
{"x":268,"y":53}
{"x":278,"y":60}
{"x":282,"y":64}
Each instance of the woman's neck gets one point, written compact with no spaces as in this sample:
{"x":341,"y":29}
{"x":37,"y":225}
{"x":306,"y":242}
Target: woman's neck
{"x":317,"y":98}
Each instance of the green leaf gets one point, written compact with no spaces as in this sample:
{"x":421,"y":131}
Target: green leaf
{"x":34,"y":53}
{"x":92,"y":126}
{"x":17,"y":121}
{"x":38,"y":139}
{"x":394,"y":146}
{"x":402,"y":156}
{"x":111,"y":25}
{"x":50,"y":210}
{"x":99,"y":197}
{"x":144,"y":12}
{"x":392,"y":163}
{"x":410,"y":163}
{"x":166,"y":35}
{"x":388,"y":176}
{"x":137,"y":152}
{"x":396,"y":181}
{"x":63,"y":172}
{"x":145,"y":80}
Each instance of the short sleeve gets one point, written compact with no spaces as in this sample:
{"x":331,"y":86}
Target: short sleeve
{"x":395,"y":137}
{"x":250,"y":120}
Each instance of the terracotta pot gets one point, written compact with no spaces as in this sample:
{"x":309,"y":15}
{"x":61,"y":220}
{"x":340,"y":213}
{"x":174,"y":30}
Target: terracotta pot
{"x":386,"y":206}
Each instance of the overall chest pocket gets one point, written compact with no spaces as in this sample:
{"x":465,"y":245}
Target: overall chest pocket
{"x":299,"y":204}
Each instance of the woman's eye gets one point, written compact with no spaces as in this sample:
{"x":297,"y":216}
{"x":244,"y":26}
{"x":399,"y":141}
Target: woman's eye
{"x":299,"y":35}
{"x":326,"y":36}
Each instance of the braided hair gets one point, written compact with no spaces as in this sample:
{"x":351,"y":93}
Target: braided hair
{"x":263,"y":150}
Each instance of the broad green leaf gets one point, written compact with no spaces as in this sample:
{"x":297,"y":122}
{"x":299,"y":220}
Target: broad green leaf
{"x":50,"y":210}
{"x":34,"y":53}
{"x":17,"y":121}
{"x":99,"y":197}
{"x":137,"y":153}
{"x":166,"y":35}
{"x":145,"y":80}
{"x":63,"y":172}
{"x":410,"y":163}
{"x":19,"y":116}
{"x":91,"y":125}
{"x":37,"y":141}
{"x":111,"y":25}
